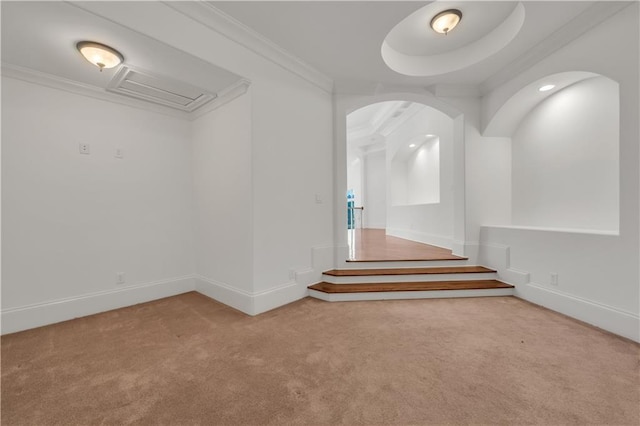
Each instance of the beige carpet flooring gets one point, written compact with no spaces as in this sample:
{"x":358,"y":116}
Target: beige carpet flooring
{"x":189,"y":360}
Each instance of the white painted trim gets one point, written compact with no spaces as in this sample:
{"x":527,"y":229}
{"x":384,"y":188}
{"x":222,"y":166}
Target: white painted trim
{"x":397,"y":295}
{"x":514,"y":276}
{"x":60,"y":83}
{"x":248,"y":302}
{"x":218,"y":21}
{"x":623,"y":323}
{"x":53,"y":311}
{"x":224,"y":96}
{"x":125,"y":71}
{"x":498,"y":256}
{"x":224,"y":293}
{"x":549,"y":229}
{"x":590,"y":18}
{"x":422,"y":237}
{"x":278,"y":296}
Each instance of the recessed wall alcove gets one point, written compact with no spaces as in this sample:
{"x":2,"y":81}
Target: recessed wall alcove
{"x":565,"y":152}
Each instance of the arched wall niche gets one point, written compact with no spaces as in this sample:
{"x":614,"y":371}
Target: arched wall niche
{"x":346,"y":104}
{"x":503,"y":120}
{"x":565,"y":152}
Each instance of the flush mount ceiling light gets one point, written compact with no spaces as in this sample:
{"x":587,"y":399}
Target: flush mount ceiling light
{"x":413,"y":145}
{"x":446,"y":20}
{"x":100,"y":55}
{"x":546,"y":87}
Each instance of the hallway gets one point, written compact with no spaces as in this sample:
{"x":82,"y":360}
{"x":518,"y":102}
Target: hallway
{"x":373,"y":245}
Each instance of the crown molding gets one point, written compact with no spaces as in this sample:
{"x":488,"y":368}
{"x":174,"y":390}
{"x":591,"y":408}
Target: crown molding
{"x":32,"y":76}
{"x":36,"y":77}
{"x":225,"y":96}
{"x":218,"y":21}
{"x":593,"y":16}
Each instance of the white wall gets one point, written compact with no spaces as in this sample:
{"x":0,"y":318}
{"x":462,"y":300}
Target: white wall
{"x":598,"y":274}
{"x":423,"y":173}
{"x":415,"y":173}
{"x":375,"y":189}
{"x":565,"y":159}
{"x":487,"y":164}
{"x":291,"y":147}
{"x":428,"y":223}
{"x":292,"y":175}
{"x":223,"y":208}
{"x":71,"y":221}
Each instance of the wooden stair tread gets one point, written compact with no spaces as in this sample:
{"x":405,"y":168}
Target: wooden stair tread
{"x":409,"y":259}
{"x":410,"y":286}
{"x":408,"y":271}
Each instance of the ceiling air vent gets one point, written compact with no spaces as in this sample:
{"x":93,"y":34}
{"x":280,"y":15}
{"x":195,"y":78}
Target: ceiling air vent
{"x":160,"y":90}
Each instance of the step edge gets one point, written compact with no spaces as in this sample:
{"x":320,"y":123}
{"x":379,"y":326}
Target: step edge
{"x":403,"y":260}
{"x":311,"y":287}
{"x":399,"y":279}
{"x":348,"y":272}
{"x":415,"y":295}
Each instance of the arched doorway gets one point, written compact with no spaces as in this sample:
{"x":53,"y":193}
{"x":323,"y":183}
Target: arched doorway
{"x":402,"y":157}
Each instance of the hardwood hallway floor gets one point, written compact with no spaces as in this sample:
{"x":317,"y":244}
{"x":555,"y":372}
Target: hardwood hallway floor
{"x":373,"y":245}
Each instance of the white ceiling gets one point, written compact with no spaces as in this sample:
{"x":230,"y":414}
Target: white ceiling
{"x":41,"y":36}
{"x":343,"y":38}
{"x":421,"y":40}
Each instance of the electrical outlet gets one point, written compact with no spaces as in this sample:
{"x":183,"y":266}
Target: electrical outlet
{"x":554,"y":278}
{"x":119,"y":153}
{"x":120,"y":278}
{"x":84,"y":148}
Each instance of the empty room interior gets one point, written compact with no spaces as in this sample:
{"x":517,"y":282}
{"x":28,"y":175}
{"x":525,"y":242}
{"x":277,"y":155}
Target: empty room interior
{"x":316,"y":212}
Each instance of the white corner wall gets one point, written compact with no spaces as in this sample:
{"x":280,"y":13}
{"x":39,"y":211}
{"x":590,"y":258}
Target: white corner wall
{"x":70,"y":221}
{"x":291,"y":144}
{"x":430,"y":223}
{"x":292,"y":156}
{"x":591,"y":276}
{"x":223,"y":208}
{"x":565,"y":160}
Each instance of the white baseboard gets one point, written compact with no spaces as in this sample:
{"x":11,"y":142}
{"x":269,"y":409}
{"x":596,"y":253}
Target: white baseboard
{"x":251,"y":303}
{"x":279,"y":296}
{"x":224,"y":293}
{"x":50,"y":312}
{"x":422,"y":237}
{"x":608,"y":318}
{"x":498,"y":257}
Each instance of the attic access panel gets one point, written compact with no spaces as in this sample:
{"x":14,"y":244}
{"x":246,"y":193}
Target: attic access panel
{"x":159,"y":89}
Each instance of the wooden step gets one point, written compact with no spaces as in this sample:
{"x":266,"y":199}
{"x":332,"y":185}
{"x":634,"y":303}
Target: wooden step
{"x":405,"y":258}
{"x":388,"y":264}
{"x":408,"y":286}
{"x":407,"y":271}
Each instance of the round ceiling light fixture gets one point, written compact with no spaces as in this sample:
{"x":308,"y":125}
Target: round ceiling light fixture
{"x":546,"y":87}
{"x":446,"y":20}
{"x":100,"y":55}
